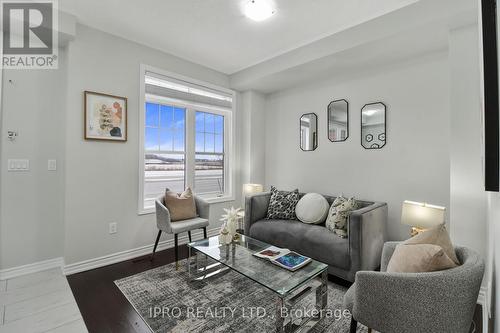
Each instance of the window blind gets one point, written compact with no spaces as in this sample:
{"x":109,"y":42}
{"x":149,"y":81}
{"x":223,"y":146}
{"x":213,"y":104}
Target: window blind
{"x":160,"y":85}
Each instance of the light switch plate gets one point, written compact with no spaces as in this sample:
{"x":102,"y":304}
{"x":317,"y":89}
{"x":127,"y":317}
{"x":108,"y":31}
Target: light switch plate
{"x":18,"y":165}
{"x":52,"y":165}
{"x":113,"y":227}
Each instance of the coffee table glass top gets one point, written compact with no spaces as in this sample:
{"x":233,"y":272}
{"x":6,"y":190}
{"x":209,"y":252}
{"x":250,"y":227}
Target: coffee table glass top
{"x":239,"y":257}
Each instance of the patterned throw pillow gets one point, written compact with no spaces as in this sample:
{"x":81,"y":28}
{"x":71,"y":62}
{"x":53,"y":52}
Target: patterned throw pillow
{"x":339,"y":214}
{"x":282,"y":204}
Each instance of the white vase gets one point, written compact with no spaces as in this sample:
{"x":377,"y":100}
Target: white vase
{"x":225,"y":237}
{"x":232,"y":226}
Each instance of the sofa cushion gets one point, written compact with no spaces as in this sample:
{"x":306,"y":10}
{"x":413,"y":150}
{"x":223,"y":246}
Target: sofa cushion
{"x":282,"y":204}
{"x":187,"y":225}
{"x":307,"y":239}
{"x":312,"y":208}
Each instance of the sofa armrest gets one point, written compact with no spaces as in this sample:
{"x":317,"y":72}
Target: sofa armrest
{"x":416,"y":302}
{"x":255,"y":208}
{"x":367,"y":235}
{"x":202,"y":208}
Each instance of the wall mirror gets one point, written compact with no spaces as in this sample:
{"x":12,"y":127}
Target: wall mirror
{"x":338,"y":120}
{"x":308,"y":132}
{"x":373,"y":128}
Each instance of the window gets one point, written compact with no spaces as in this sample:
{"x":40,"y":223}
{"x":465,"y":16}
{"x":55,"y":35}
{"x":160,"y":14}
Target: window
{"x":186,"y":139}
{"x":209,"y":150}
{"x":164,"y":149}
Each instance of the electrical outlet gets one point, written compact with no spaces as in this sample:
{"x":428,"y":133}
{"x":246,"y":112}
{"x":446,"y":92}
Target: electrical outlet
{"x":112,"y":228}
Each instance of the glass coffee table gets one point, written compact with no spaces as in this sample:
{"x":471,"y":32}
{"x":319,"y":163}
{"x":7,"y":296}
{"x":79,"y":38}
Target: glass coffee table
{"x":289,"y":287}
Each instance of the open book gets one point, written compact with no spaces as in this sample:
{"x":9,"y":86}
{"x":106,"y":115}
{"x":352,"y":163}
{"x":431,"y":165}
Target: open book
{"x":283,"y":257}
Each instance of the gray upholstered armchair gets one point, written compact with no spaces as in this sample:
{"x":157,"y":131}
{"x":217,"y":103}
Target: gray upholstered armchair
{"x":439,"y":302}
{"x":164,"y":223}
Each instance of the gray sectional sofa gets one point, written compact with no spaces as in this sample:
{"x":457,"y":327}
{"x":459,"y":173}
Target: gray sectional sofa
{"x":344,"y":256}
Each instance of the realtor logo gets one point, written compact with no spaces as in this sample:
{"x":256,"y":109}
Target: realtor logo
{"x":29,"y":34}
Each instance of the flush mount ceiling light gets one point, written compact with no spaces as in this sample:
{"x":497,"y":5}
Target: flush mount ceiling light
{"x":258,"y":10}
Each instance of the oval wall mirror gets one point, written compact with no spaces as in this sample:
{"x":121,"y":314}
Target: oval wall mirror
{"x":373,"y":127}
{"x":308,"y":132}
{"x":338,"y":120}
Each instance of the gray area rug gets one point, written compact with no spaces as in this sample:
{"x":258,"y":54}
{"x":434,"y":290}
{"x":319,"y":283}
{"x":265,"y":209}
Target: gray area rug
{"x":168,"y":302}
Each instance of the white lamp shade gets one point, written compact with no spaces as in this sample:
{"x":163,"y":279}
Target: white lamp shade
{"x":421,"y":215}
{"x":252,"y":188}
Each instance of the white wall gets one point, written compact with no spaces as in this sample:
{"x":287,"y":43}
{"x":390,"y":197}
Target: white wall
{"x":66,"y":213}
{"x":31,"y":217}
{"x":102,"y":178}
{"x":467,"y":195}
{"x":413,"y":165}
{"x":253,"y":137}
{"x":493,"y":259}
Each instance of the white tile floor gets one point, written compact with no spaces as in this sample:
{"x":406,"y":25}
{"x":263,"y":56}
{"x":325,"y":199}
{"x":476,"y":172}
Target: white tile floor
{"x":39,"y":302}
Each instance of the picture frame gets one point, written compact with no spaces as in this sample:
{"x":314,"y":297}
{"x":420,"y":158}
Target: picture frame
{"x":105,"y":117}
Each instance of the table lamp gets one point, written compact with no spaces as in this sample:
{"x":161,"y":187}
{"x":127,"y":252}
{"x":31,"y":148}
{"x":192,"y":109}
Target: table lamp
{"x":251,"y":189}
{"x":421,"y":216}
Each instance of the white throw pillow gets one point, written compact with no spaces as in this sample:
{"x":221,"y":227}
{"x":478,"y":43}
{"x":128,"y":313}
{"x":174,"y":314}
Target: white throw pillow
{"x":312,"y":208}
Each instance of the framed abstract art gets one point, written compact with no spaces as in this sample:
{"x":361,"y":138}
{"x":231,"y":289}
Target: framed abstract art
{"x":105,"y":117}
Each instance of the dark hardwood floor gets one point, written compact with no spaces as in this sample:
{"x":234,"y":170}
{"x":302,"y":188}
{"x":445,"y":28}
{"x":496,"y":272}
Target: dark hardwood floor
{"x":105,"y":309}
{"x":103,"y":306}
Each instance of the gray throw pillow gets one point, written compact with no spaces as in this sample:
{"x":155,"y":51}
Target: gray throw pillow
{"x":339,"y":215}
{"x":282,"y":204}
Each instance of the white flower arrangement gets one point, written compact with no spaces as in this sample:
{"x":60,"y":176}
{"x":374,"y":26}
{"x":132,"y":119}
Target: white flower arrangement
{"x":228,"y":229}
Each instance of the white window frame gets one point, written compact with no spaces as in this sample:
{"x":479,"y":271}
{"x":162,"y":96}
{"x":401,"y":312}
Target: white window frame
{"x":190,"y":132}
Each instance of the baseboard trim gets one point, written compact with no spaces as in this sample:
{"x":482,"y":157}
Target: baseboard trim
{"x":86,"y":265}
{"x":114,"y":258}
{"x":14,"y":272}
{"x":482,"y":300}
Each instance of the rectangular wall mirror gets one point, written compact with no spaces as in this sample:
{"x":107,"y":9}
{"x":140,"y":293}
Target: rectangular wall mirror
{"x":338,"y":120}
{"x":308,"y":132}
{"x":373,"y":127}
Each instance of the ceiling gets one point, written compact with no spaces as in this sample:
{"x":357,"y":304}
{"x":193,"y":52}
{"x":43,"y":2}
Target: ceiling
{"x":216,"y":34}
{"x":395,"y":38}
